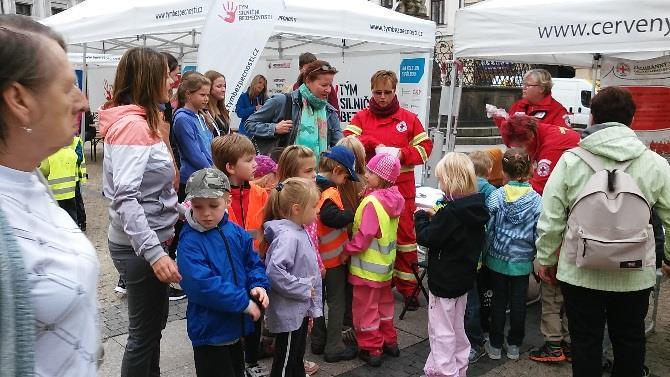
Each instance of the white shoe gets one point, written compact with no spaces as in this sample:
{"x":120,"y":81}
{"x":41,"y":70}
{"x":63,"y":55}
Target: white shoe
{"x":513,"y":352}
{"x":494,"y":353}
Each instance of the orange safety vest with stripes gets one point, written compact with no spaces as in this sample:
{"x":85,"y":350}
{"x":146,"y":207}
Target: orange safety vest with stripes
{"x":331,"y":241}
{"x":253,"y":221}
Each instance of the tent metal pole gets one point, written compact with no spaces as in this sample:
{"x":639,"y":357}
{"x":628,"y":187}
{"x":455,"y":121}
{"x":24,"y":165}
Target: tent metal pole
{"x":84,"y":87}
{"x":450,"y":117}
{"x":595,"y":72}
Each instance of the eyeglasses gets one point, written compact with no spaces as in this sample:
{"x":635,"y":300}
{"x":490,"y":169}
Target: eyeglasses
{"x":529,"y":85}
{"x":325,"y":68}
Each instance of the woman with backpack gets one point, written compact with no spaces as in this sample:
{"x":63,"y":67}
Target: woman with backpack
{"x":313,"y":122}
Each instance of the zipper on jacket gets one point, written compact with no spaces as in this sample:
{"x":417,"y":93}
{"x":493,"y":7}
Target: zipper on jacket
{"x":584,"y":252}
{"x":232,"y":267}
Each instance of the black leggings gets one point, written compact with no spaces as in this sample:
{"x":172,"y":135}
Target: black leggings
{"x":219,"y":361}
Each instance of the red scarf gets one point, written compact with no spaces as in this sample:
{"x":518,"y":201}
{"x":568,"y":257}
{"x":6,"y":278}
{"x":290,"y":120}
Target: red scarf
{"x":384,"y":112}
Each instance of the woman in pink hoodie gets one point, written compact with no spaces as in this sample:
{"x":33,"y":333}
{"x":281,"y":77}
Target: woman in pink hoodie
{"x":138,"y":174}
{"x":373,"y":249}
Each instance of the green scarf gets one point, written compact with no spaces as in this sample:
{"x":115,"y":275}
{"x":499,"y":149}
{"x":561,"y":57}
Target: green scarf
{"x":313,"y":131}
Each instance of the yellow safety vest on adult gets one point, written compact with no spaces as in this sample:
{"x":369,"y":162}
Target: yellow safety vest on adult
{"x":376,"y":263}
{"x":78,"y":146}
{"x":61,"y":172}
{"x":331,"y":241}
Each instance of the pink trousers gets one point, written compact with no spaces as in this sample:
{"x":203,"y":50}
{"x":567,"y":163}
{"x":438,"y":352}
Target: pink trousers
{"x":449,"y":347}
{"x":372,"y":310}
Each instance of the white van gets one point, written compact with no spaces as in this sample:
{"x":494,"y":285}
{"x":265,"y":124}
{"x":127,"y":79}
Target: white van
{"x":575,"y":95}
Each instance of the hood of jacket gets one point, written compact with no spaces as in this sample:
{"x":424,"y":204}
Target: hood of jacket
{"x":185,"y":112}
{"x":614,"y":141}
{"x":517,"y":212}
{"x":196,"y":225}
{"x":109,"y":116}
{"x":275,"y":228}
{"x":391,"y":199}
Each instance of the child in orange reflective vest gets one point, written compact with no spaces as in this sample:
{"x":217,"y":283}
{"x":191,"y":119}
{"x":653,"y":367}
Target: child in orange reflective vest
{"x":335,"y":168}
{"x":373,"y":250}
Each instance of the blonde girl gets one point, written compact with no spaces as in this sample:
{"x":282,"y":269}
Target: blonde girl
{"x":192,"y":135}
{"x":351,"y":190}
{"x":454,"y":234}
{"x":293,"y":271}
{"x":251,"y":100}
{"x":216,"y":114}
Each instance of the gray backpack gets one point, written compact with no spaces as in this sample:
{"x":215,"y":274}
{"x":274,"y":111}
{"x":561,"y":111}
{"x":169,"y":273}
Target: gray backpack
{"x":608,"y":225}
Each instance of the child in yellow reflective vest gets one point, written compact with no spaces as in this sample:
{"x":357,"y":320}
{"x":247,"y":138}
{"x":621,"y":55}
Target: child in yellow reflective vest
{"x":373,"y":250}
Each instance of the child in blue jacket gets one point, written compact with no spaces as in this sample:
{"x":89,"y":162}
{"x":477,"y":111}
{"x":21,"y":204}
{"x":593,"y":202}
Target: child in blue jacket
{"x":223,"y":277}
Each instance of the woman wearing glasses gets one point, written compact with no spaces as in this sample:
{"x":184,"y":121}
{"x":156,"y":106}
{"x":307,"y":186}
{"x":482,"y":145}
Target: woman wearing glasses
{"x":313,"y":123}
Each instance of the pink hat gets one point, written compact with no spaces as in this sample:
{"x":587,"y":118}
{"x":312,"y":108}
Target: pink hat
{"x":265,"y":166}
{"x":385,"y":166}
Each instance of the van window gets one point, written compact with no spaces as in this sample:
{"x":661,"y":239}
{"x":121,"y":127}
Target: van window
{"x":586,"y":98}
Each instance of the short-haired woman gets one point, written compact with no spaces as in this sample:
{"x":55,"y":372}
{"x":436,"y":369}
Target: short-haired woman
{"x":314,"y":122}
{"x":48,"y":268}
{"x":385,"y":124}
{"x":138,"y":174}
{"x":251,"y":100}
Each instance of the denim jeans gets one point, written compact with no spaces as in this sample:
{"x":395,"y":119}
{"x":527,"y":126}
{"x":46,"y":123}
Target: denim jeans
{"x":147,"y":312}
{"x":510,"y":290}
{"x":473,"y":325}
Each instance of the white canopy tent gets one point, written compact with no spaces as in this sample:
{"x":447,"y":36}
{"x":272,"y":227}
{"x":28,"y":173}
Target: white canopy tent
{"x":110,"y":27}
{"x":566,"y":32}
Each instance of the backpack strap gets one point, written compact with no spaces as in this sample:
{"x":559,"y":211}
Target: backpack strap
{"x":593,"y":161}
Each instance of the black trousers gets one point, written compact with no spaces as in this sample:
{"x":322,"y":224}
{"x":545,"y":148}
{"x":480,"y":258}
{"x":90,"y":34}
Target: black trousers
{"x":252,"y":344}
{"x":588,"y":310}
{"x":172,"y":249}
{"x":81,"y":210}
{"x":289,"y":353}
{"x":70,"y":206}
{"x":219,"y":361}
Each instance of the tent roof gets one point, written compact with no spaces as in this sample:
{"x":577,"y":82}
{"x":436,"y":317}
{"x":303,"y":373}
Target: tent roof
{"x":174,"y":25}
{"x":565,"y":32}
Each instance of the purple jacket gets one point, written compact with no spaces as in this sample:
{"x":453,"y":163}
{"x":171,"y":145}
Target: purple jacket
{"x":292,"y":268}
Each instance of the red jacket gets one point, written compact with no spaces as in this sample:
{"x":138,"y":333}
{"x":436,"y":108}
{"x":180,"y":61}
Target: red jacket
{"x":401,"y":130}
{"x":547,"y":148}
{"x":548,"y":110}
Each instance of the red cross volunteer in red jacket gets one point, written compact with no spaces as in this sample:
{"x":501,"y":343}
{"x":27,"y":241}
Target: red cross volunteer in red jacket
{"x":385,"y":124}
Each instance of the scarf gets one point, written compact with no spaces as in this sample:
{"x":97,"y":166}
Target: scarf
{"x":17,"y":324}
{"x":384,"y":112}
{"x":313,"y":131}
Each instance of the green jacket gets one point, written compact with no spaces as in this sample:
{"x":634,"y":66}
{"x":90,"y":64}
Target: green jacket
{"x":613,"y":142}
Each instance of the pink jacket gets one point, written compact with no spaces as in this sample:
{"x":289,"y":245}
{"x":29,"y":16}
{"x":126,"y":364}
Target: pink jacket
{"x":393,"y":203}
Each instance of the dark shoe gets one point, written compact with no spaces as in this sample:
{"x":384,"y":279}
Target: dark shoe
{"x":645,"y":371}
{"x":348,"y":353}
{"x":391,"y":350}
{"x":412,"y":303}
{"x":120,"y":287}
{"x":176,"y":294}
{"x":373,"y":360}
{"x":565,"y":346}
{"x":318,"y":349}
{"x":548,"y":353}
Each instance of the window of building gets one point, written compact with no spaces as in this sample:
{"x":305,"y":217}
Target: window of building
{"x":437,"y":11}
{"x":24,"y":9}
{"x":387,"y":4}
{"x":56,"y":10}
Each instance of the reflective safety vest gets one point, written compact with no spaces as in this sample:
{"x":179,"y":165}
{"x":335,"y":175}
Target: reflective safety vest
{"x":253,"y":219}
{"x":376,"y":263}
{"x":78,"y":146}
{"x":60,"y":170}
{"x":331,"y":241}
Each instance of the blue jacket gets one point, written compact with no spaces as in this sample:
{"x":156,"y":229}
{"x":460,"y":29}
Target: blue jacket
{"x":262,"y":123}
{"x":512,"y":228}
{"x":217,"y":277}
{"x":194,"y":141}
{"x":484,"y":187}
{"x":245,"y":107}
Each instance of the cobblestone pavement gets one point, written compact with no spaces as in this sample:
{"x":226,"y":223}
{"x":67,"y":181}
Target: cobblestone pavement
{"x":412,"y":331}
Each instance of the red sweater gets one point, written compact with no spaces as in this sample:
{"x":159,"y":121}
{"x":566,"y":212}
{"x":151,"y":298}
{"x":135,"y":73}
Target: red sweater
{"x":546,"y":149}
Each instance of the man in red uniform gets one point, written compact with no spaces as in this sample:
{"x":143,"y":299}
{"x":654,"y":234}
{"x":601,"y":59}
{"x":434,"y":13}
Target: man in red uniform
{"x":385,"y":124}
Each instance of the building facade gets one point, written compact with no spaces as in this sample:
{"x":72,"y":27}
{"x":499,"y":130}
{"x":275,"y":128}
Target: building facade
{"x":436,"y":10}
{"x":36,"y":8}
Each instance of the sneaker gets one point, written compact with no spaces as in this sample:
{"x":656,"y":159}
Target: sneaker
{"x":348,"y":353}
{"x":476,"y":353}
{"x":494,"y":353}
{"x":120,"y":287}
{"x":372,"y":359}
{"x":645,"y":371}
{"x":513,"y":352}
{"x":565,"y":346}
{"x":548,"y":353}
{"x":176,"y":293}
{"x":412,"y":303}
{"x":256,"y":370}
{"x":310,"y":367}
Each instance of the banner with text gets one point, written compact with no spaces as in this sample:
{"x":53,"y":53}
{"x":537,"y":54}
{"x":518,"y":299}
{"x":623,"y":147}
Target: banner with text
{"x":649,"y":83}
{"x":247,"y":22}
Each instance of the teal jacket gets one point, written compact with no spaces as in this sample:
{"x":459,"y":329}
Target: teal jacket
{"x":613,"y":142}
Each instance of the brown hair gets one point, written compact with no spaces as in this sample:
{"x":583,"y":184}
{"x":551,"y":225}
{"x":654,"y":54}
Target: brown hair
{"x":229,"y":149}
{"x":613,"y":104}
{"x":289,"y":161}
{"x":516,"y":164}
{"x":305,"y":58}
{"x":315,"y":69}
{"x":482,"y":162}
{"x":193,"y":82}
{"x":217,"y":107}
{"x":291,"y":191}
{"x":252,"y":87}
{"x":181,"y":94}
{"x":23,"y":52}
{"x":384,"y":75}
{"x":456,"y":173}
{"x":140,"y":79}
{"x":350,"y":190}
